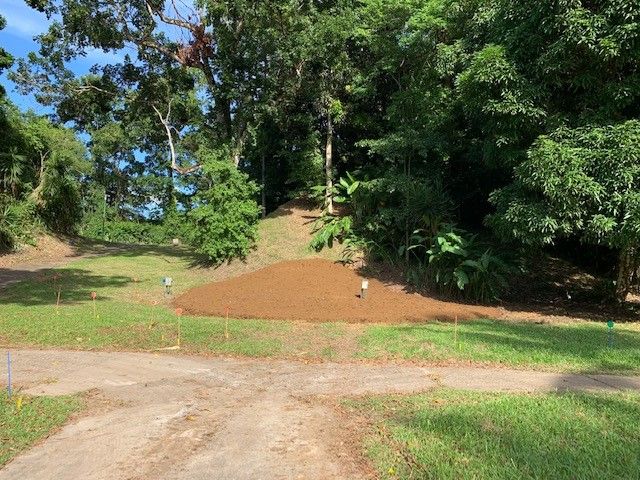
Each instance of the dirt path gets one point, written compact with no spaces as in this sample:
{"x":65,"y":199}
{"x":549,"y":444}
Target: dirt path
{"x":163,"y":417}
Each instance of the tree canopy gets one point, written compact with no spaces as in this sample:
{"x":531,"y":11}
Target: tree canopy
{"x":513,"y":120}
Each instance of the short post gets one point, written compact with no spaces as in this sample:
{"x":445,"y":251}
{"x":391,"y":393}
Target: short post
{"x":363,"y":288}
{"x":58,"y":300}
{"x":455,"y":333}
{"x":168,"y":283}
{"x":610,"y":333}
{"x":93,"y":301}
{"x":179,"y":314}
{"x":9,"y":373}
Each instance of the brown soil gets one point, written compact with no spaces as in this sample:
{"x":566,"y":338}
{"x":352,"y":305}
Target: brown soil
{"x":319,"y":290}
{"x":48,"y":250}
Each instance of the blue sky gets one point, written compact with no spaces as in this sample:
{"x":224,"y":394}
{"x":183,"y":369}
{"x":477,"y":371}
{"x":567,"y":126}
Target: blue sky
{"x":24,"y":23}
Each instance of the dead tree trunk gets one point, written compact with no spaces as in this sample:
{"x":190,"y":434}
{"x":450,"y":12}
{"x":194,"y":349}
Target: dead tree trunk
{"x":328,"y":167}
{"x":165,"y":120}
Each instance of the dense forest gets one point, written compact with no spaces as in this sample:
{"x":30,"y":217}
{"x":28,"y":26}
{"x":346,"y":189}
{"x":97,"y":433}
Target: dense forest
{"x":455,"y":137}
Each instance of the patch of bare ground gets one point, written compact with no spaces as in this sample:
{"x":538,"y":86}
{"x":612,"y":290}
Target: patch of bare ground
{"x":319,"y":290}
{"x":179,"y":417}
{"x":48,"y":250}
{"x":555,"y":290}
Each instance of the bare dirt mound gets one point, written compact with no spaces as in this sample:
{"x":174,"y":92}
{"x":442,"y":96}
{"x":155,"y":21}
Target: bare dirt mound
{"x":47,"y":250}
{"x":319,"y":290}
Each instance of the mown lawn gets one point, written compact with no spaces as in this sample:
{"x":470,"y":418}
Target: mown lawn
{"x":578,"y":346}
{"x":131,"y":326}
{"x":446,"y":434}
{"x":24,"y":420}
{"x":132,"y":313}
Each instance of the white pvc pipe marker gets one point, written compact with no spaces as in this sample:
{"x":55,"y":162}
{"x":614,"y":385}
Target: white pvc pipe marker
{"x":364,"y":287}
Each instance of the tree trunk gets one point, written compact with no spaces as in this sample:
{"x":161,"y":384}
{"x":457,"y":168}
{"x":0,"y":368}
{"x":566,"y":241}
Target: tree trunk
{"x":264,"y":187}
{"x":170,"y":201}
{"x":328,"y":167}
{"x":626,"y":266}
{"x":406,"y":226}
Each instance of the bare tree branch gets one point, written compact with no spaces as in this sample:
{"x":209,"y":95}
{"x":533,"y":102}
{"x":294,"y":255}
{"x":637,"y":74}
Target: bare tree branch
{"x":87,"y":87}
{"x":174,"y":161}
{"x":170,"y":20}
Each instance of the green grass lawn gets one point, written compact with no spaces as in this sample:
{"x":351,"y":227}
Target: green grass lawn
{"x":25,"y":420}
{"x":131,"y":313}
{"x":449,"y":434}
{"x":579,"y":346}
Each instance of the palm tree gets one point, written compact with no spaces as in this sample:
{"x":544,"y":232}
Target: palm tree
{"x":12,"y":166}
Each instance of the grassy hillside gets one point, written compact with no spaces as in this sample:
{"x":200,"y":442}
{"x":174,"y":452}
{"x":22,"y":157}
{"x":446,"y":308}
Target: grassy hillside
{"x":131,"y":312}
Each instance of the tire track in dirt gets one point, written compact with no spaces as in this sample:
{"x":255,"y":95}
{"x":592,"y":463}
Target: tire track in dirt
{"x":180,"y":418}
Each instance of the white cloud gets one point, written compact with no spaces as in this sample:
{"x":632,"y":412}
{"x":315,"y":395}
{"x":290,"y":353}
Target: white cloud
{"x":97,"y":55}
{"x":22,"y":20}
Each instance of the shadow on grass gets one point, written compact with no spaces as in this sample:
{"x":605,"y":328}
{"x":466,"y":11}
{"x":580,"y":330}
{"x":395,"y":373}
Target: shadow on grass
{"x":561,"y":436}
{"x":530,"y":343}
{"x":93,"y":248}
{"x":43,"y":285}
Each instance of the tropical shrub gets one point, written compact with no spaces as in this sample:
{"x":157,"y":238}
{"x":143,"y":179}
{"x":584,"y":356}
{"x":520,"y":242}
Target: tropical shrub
{"x":334,"y":227}
{"x":458,"y":263}
{"x":58,"y":197}
{"x":381,"y":214}
{"x":389,"y":208}
{"x":18,"y":222}
{"x":125,"y":231}
{"x":581,"y":183}
{"x":224,"y":222}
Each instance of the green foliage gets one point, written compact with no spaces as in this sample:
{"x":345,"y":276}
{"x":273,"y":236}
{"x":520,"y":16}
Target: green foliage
{"x":331,"y":229}
{"x":436,"y":103}
{"x":392,"y":206}
{"x":6,"y":60}
{"x":19,"y":223}
{"x":581,"y":182}
{"x":457,"y":262}
{"x":40,"y":168}
{"x":380,"y":212}
{"x":224,"y":220}
{"x":58,"y":198}
{"x":125,"y":231}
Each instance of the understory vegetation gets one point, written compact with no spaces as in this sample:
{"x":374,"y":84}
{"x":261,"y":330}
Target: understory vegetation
{"x":455,"y":138}
{"x":403,"y":220}
{"x":446,"y":434}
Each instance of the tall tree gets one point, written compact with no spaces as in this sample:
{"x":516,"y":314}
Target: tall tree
{"x":233,"y":45}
